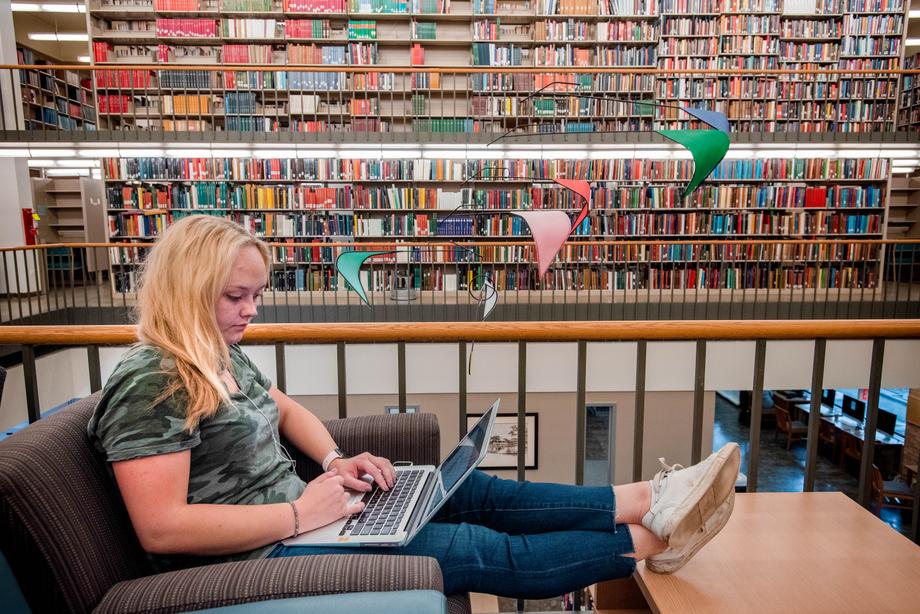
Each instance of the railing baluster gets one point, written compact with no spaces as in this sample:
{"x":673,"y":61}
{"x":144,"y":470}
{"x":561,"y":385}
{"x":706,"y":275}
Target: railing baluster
{"x":580,"y":427}
{"x":95,"y":372}
{"x":760,"y":350}
{"x":30,"y":374}
{"x":461,"y":385}
{"x":401,"y":374}
{"x":868,"y":449}
{"x":340,"y":363}
{"x":521,"y":409}
{"x":280,"y":368}
{"x":814,"y":415}
{"x":639,"y":421}
{"x":699,"y":386}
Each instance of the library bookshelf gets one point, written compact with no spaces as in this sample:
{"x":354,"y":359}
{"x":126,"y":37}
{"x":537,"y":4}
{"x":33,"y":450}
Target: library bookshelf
{"x":636,"y":35}
{"x":53,"y":98}
{"x":441,"y":67}
{"x":301,"y":206}
{"x":909,"y":104}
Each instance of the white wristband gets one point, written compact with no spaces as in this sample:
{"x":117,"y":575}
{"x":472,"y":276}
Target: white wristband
{"x":331,"y":457}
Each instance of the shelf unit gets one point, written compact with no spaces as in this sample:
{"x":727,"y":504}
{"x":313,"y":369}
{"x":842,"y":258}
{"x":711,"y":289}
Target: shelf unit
{"x":904,"y":208}
{"x":72,"y":210}
{"x":54,"y":99}
{"x":873,"y":32}
{"x":463,"y":33}
{"x":909,"y":103}
{"x":321,"y":201}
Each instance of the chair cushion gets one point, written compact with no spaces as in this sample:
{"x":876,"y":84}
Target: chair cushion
{"x":393,"y":602}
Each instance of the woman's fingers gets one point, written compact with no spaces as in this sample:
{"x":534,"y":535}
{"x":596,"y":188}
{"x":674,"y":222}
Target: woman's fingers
{"x":324,"y":476}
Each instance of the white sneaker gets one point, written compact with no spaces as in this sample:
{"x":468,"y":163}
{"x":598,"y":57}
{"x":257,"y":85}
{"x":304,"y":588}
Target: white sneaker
{"x":684,"y":499}
{"x":673,"y":559}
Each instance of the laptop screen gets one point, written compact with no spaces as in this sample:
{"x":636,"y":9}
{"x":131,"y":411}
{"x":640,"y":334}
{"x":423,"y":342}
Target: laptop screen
{"x":461,"y":461}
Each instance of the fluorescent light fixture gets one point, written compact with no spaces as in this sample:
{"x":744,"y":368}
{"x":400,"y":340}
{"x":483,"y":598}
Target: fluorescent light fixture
{"x":98,"y":153}
{"x":84,"y":58}
{"x":739,"y":154}
{"x":449,"y":154}
{"x":524,"y":154}
{"x":52,"y":153}
{"x":402,"y":154}
{"x":316,"y":153}
{"x":612,"y":154}
{"x":14,"y":153}
{"x":860,"y":153}
{"x":60,"y":37}
{"x":564,"y":154}
{"x":48,"y":7}
{"x":274,"y":153}
{"x":78,"y":163}
{"x":775,"y":153}
{"x":360,"y":153}
{"x":67,"y":172}
{"x":41,"y":163}
{"x":486,"y":154}
{"x":231,"y":153}
{"x":912,"y":42}
{"x":815,"y":153}
{"x":72,"y":7}
{"x":188,"y":153}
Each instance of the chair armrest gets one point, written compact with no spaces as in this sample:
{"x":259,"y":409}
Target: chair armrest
{"x":238,"y":582}
{"x":398,"y":437}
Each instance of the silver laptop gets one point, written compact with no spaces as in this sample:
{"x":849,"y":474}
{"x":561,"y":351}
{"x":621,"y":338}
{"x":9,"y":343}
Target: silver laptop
{"x":394,"y":517}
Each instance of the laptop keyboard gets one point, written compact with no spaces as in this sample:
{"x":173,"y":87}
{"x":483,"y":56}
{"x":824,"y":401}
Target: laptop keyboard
{"x":384,"y":509}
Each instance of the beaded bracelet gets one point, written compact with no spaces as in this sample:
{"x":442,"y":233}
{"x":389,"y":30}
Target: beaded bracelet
{"x":296,"y":519}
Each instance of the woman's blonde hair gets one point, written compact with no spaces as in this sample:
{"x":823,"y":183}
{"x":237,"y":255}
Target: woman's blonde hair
{"x":181,"y":282}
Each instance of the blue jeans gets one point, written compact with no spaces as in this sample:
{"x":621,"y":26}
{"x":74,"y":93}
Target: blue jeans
{"x":517,"y":539}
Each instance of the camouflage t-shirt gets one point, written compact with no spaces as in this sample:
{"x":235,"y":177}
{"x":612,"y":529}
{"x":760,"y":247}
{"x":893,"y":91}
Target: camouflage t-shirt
{"x":234,"y":457}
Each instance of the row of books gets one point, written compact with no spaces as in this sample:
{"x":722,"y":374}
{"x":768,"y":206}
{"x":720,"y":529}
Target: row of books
{"x":302,"y":279}
{"x":489,"y":170}
{"x":767,"y":254}
{"x":206,"y":195}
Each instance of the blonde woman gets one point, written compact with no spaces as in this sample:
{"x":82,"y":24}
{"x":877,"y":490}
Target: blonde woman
{"x":192,"y":430}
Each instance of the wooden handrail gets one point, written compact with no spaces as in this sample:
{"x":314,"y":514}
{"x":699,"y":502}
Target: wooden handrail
{"x":463,"y":69}
{"x":420,"y":332}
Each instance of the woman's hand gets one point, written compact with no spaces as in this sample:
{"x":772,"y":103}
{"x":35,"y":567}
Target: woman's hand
{"x":324,"y":500}
{"x":352,"y":468}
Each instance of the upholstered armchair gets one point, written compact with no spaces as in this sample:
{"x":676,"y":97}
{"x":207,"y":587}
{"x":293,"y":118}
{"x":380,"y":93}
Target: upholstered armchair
{"x":71,"y":547}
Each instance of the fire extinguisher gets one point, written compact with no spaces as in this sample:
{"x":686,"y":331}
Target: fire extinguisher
{"x":30,"y":221}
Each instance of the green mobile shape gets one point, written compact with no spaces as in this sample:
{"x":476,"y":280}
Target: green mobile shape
{"x":349,"y":266}
{"x":708,"y":147}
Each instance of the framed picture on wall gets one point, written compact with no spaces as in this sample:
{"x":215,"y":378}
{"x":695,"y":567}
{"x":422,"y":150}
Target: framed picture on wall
{"x":503,"y":448}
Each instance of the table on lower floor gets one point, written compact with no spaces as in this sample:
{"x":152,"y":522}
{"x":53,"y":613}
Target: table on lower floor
{"x":793,"y":552}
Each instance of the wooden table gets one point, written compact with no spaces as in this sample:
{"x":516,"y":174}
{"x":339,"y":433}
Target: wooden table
{"x":794,"y":552}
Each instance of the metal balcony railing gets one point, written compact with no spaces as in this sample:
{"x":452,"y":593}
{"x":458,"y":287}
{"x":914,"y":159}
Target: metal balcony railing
{"x":440,"y":281}
{"x":317,"y":103}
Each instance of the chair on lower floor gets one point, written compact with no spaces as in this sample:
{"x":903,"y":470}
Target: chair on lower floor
{"x":852,"y":451}
{"x":890,"y":493}
{"x":827,"y":437}
{"x":71,"y":547}
{"x":793,"y":429}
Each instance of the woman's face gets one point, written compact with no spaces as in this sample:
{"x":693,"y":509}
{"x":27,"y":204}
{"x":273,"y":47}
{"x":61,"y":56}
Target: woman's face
{"x":236,"y":306}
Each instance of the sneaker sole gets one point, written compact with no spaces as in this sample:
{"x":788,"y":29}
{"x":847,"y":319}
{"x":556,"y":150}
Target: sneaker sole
{"x":669,"y":564}
{"x":707,"y":497}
